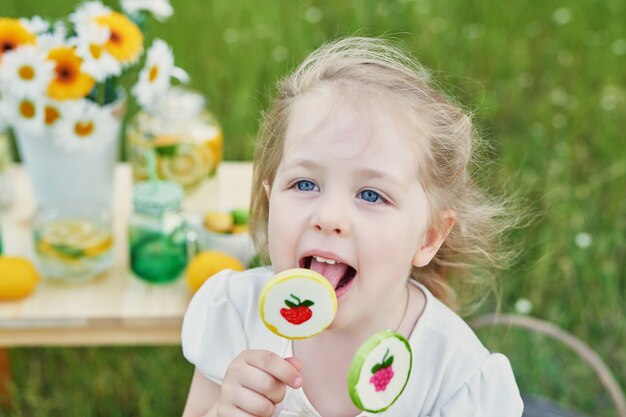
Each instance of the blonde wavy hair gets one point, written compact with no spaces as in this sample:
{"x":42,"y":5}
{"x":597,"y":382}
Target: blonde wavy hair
{"x":469,"y":255}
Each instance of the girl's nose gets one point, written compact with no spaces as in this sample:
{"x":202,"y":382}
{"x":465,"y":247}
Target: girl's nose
{"x":331,"y":218}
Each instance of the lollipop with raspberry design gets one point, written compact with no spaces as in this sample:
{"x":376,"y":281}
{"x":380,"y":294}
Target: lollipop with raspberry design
{"x":382,"y":373}
{"x":374,"y":384}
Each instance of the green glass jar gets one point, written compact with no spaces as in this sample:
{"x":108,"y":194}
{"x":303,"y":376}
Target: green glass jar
{"x":161,"y":243}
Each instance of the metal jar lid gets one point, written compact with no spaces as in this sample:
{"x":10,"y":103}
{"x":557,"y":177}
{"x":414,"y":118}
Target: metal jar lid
{"x":157,"y":197}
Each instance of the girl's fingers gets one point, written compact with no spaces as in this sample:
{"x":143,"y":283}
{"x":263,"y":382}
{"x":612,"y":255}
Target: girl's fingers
{"x":278,"y":367}
{"x":248,"y":403}
{"x":295,"y":362}
{"x":265,"y":384}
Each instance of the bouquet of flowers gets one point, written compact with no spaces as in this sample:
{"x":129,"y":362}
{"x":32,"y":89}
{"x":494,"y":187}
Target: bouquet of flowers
{"x":61,"y":79}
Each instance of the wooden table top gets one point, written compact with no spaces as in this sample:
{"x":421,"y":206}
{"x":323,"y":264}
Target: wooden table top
{"x":115,"y":308}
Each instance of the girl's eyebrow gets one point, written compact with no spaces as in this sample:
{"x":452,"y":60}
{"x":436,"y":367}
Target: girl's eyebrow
{"x":370,"y":173}
{"x":365,"y":173}
{"x":302,"y":163}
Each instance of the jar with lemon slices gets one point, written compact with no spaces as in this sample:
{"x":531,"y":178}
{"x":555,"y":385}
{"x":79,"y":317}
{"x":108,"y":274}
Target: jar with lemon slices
{"x":73,"y":241}
{"x":185,"y":136}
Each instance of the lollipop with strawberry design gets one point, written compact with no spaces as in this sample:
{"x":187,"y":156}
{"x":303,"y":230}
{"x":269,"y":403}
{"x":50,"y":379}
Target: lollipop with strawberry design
{"x":298,"y":312}
{"x":297,"y":303}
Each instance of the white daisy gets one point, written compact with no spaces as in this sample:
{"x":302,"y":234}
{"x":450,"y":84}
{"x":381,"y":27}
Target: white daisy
{"x":90,"y":46}
{"x":4,"y":119}
{"x":84,"y":125}
{"x":26,"y":72}
{"x":54,"y":38}
{"x":25,"y":115}
{"x":53,"y":111}
{"x":154,"y":78}
{"x":87,"y":12}
{"x":35,"y":25}
{"x":160,"y":9}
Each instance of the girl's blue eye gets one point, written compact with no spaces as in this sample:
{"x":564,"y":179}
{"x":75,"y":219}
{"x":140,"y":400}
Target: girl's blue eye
{"x":370,"y":196}
{"x":305,"y":185}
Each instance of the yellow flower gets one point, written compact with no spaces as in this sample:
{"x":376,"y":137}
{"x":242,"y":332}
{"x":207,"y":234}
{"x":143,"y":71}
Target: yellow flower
{"x":70,"y":82}
{"x":13,"y":34}
{"x":125,"y":41}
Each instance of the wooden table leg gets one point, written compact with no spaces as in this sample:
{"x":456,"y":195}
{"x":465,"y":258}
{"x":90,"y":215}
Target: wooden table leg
{"x":5,"y":377}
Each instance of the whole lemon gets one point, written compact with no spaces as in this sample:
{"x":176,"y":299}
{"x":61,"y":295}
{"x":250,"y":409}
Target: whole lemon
{"x":18,"y":277}
{"x":208,"y":263}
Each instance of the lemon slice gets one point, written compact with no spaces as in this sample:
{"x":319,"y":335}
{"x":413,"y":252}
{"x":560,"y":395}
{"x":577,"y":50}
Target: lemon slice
{"x":73,"y":239}
{"x":189,"y":165}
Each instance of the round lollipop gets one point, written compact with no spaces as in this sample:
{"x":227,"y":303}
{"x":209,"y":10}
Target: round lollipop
{"x":379,"y":372}
{"x":297,"y":303}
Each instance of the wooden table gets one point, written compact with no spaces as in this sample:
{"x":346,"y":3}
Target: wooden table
{"x":116,"y":308}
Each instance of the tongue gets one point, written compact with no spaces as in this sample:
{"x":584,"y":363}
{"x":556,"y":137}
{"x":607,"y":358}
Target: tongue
{"x":333,"y":273}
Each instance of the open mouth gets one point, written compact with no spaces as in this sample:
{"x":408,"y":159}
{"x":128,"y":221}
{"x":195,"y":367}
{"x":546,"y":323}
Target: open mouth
{"x":339,"y":275}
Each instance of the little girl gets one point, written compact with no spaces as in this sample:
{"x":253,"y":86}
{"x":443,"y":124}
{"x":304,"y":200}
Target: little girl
{"x":361,"y":173}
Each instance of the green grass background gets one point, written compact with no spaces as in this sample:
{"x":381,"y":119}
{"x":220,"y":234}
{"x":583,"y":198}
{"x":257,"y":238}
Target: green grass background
{"x":546,"y":81}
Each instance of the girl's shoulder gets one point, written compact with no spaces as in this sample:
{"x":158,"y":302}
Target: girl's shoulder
{"x":442,"y":330}
{"x":459,"y":371}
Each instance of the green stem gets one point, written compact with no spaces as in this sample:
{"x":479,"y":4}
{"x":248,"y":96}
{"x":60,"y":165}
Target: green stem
{"x":297,"y":299}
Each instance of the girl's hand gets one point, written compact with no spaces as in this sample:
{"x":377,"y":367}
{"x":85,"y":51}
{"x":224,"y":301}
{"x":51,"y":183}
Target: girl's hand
{"x":255,"y":382}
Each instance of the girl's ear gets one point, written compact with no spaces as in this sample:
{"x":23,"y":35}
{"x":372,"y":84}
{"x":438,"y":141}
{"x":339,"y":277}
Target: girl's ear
{"x":433,"y":239}
{"x":266,"y":186}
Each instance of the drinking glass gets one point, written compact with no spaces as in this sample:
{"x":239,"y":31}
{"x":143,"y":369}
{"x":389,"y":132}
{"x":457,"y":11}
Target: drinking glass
{"x":73,"y":241}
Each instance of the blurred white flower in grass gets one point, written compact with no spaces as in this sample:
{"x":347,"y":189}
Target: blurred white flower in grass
{"x":261,"y":31}
{"x":562,"y":16}
{"x":472,"y":31}
{"x":97,"y":61}
{"x":565,"y":57}
{"x":280,"y":53}
{"x":523,"y":306}
{"x":154,"y":78}
{"x":611,"y":97}
{"x":536,"y":129}
{"x":525,"y":80}
{"x":35,"y":24}
{"x":230,"y":35}
{"x":559,"y":97}
{"x":619,"y":47}
{"x":160,"y":9}
{"x":89,"y":12}
{"x":438,"y":25}
{"x":423,"y":7}
{"x":313,"y":14}
{"x":559,"y":121}
{"x":26,"y":72}
{"x":583,"y":240}
{"x":84,"y":125}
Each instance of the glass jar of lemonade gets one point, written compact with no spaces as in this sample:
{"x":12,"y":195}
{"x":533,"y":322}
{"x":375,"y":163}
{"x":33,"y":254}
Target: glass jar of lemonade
{"x":185,"y":137}
{"x":73,"y":241}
